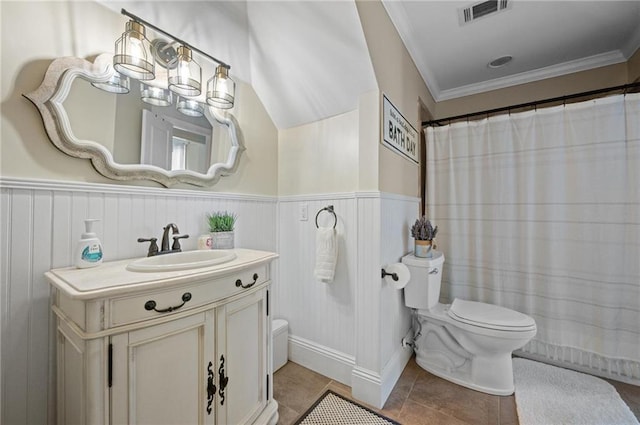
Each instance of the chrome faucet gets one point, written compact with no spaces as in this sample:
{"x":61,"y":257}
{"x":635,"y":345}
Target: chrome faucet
{"x":164,"y":246}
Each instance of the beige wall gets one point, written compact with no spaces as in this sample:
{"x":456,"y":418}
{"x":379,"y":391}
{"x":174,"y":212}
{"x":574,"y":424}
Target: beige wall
{"x":271,"y":160}
{"x":400,"y":80}
{"x":60,"y":29}
{"x":320,"y":157}
{"x":633,"y":66}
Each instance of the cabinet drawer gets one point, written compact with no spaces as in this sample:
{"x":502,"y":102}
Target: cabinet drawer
{"x":159,"y":303}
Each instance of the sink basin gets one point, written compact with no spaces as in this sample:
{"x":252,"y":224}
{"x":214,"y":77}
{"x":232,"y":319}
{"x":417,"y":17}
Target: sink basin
{"x":181,"y":261}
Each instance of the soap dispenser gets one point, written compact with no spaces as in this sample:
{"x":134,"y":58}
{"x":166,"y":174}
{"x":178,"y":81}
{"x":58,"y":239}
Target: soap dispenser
{"x":88,"y":251}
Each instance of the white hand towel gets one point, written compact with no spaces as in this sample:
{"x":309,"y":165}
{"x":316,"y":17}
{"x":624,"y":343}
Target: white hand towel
{"x":326,"y":254}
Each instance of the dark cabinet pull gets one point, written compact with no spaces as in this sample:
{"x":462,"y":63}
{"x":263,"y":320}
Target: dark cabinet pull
{"x":211,"y":388}
{"x":255,"y":279}
{"x":223,"y":380}
{"x":151,"y":304}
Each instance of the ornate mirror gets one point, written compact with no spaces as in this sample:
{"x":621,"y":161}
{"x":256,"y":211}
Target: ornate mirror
{"x":127,"y":139}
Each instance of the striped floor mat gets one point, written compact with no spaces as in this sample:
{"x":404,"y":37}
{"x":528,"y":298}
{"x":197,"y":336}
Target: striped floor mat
{"x":333,"y":409}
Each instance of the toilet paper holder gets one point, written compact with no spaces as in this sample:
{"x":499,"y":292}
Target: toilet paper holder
{"x":394,"y":276}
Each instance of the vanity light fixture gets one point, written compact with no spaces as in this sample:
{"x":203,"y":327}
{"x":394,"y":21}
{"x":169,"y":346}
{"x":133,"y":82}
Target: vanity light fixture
{"x":135,"y":57}
{"x":185,"y":78}
{"x":190,"y":107}
{"x":156,"y":95}
{"x":133,"y":53}
{"x":221,"y":89}
{"x":118,"y":84}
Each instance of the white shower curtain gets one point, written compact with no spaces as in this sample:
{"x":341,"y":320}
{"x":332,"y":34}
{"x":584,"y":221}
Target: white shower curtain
{"x":540,"y":212}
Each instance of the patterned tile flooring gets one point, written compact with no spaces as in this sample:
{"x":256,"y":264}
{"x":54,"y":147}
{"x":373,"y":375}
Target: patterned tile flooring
{"x":418,"y":398}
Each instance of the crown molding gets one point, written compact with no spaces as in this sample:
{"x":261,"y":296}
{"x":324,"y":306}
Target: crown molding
{"x":592,"y":62}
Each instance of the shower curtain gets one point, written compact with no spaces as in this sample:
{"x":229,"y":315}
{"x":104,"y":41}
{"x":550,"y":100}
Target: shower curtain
{"x":540,"y":212}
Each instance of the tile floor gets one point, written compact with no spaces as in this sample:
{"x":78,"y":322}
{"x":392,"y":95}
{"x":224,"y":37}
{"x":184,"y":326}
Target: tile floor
{"x":418,"y":398}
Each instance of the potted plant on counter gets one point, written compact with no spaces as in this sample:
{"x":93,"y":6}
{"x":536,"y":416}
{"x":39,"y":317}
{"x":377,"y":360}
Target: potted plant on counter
{"x":423,"y":234}
{"x":221,"y":225}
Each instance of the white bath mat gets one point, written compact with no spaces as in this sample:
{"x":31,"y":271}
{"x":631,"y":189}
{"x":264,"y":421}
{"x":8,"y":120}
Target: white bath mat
{"x":549,"y":395}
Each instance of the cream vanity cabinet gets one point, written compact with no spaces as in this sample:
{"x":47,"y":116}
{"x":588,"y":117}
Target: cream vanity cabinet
{"x":177,"y":347}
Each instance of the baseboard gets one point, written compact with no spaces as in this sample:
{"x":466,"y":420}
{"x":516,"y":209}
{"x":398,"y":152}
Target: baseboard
{"x":326,"y":361}
{"x":374,"y":388}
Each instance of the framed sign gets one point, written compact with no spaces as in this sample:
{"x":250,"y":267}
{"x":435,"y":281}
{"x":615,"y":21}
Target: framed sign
{"x":398,"y":134}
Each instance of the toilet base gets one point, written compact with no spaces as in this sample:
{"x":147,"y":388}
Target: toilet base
{"x":438,"y":352}
{"x":462,"y":378}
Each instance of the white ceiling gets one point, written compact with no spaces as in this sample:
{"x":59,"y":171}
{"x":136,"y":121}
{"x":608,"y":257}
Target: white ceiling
{"x":308,"y":60}
{"x":545,"y":38}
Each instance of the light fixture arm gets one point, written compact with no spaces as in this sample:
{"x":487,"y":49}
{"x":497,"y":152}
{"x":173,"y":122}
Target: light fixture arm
{"x":142,"y":21}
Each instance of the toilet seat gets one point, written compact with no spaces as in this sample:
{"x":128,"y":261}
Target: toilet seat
{"x":490,"y":316}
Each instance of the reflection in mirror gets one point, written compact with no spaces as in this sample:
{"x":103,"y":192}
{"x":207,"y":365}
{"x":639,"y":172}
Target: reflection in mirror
{"x":136,"y":132}
{"x":130,"y":139}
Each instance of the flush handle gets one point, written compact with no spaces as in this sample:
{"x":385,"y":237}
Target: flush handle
{"x":434,"y":271}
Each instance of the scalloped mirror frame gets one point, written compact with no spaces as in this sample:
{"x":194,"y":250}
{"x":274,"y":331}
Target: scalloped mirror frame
{"x":49,"y":98}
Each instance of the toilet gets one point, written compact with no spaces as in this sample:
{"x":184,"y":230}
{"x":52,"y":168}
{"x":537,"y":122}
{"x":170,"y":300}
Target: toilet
{"x":466,"y":342}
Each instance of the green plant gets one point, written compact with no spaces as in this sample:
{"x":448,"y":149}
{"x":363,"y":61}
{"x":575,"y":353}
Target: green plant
{"x":222,"y":221}
{"x":422,"y":229}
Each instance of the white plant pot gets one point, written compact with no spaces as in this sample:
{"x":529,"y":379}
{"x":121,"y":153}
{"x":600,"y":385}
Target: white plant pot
{"x":222,"y":240}
{"x":422,"y":249}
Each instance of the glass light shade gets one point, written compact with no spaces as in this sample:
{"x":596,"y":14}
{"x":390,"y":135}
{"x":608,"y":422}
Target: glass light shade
{"x":156,"y":96}
{"x":118,"y":84}
{"x":133,"y":56}
{"x":186,"y":77}
{"x":221,"y":89}
{"x":190,"y":107}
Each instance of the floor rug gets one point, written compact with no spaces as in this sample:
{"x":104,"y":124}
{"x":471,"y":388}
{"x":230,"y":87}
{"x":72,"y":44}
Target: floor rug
{"x":549,"y":395}
{"x":333,"y":409}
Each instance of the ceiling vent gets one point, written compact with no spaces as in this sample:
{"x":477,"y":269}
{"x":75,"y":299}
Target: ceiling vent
{"x":482,"y":9}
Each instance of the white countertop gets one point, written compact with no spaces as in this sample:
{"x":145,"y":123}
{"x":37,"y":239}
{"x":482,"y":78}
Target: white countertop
{"x":112,"y":278}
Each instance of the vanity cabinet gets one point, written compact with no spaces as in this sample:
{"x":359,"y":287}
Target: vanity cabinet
{"x":131,"y":350}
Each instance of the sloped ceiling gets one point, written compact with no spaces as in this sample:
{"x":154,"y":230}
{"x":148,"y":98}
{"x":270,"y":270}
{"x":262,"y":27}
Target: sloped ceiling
{"x":545,"y":38}
{"x":306,"y":60}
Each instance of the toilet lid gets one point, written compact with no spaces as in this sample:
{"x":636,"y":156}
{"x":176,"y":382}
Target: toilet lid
{"x":489,"y":316}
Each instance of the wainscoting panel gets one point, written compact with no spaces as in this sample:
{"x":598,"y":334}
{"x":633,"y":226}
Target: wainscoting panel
{"x":322,"y":313}
{"x":397,"y":216}
{"x":382,"y":319}
{"x":40,"y":223}
{"x":351,"y":329}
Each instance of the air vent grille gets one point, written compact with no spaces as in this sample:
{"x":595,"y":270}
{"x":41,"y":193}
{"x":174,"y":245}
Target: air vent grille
{"x":482,"y":9}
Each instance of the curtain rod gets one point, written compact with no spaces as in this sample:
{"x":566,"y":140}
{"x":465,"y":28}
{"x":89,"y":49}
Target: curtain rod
{"x":441,"y":121}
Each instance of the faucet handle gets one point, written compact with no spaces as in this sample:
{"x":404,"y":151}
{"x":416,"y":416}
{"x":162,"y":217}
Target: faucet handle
{"x":153,"y":246}
{"x":176,"y":242}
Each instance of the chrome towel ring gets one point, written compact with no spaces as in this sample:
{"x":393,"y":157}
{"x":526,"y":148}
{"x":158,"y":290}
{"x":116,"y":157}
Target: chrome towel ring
{"x":328,"y":209}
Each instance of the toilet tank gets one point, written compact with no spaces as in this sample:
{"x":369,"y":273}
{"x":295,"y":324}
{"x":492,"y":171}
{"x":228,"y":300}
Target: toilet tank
{"x":423,"y":289}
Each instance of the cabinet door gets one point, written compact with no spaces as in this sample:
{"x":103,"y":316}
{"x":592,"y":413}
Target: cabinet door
{"x":161,"y":373}
{"x":241,"y":347}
